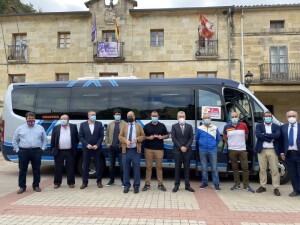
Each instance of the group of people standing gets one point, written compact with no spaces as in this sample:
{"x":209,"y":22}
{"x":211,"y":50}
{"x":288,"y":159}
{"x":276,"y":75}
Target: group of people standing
{"x":124,"y":142}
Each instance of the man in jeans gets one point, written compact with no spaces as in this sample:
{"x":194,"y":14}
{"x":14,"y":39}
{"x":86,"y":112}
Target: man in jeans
{"x":208,"y":138}
{"x":113,"y":145}
{"x":235,"y":134}
{"x":155,"y":133}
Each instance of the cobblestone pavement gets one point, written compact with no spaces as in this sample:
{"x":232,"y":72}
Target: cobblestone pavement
{"x":109,"y":205}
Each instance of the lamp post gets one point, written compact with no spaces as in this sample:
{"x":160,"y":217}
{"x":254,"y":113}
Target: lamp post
{"x":248,"y":79}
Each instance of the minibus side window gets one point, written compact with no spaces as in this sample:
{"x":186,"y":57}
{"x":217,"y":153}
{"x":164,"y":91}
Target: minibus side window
{"x":211,"y":103}
{"x":23,"y":100}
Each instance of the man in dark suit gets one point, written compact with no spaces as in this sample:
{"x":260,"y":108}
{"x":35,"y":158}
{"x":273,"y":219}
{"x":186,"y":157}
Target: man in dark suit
{"x":182,"y":137}
{"x":64,"y":141}
{"x":91,"y":135}
{"x":268,"y":151}
{"x":290,"y":140}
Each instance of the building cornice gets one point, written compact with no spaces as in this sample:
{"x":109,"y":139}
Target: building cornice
{"x":75,"y":13}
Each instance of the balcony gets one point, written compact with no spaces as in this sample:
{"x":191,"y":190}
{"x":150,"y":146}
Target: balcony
{"x":17,"y":53}
{"x":108,"y":52}
{"x":206,"y":49}
{"x":280,"y":73}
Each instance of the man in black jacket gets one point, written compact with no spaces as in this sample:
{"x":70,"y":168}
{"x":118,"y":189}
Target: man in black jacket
{"x":64,"y":141}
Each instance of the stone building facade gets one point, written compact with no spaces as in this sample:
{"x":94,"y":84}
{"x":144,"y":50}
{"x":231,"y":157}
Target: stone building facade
{"x":158,"y":43}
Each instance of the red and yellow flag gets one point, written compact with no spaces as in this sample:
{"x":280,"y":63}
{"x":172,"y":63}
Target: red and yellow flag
{"x":206,"y":28}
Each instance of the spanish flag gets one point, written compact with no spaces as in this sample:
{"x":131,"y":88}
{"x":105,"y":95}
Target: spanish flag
{"x":117,"y":30}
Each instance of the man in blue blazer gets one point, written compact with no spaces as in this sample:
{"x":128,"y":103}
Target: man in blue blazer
{"x":290,"y":135}
{"x":64,"y":142}
{"x":91,"y":136}
{"x":268,"y":151}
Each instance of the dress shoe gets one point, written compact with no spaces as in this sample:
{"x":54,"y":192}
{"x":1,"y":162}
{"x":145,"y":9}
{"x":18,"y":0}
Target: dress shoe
{"x":277,"y":192}
{"x":261,"y":189}
{"x":83,"y":186}
{"x":71,"y":186}
{"x":37,"y":189}
{"x":99,"y":185}
{"x":175,"y":189}
{"x":162,"y":187}
{"x":146,"y":187}
{"x":21,"y":190}
{"x":136,"y":190}
{"x":126,"y":190}
{"x":188,"y":188}
{"x":56,"y":186}
{"x":293,"y":194}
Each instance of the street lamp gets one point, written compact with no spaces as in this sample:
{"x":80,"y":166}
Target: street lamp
{"x":248,"y":79}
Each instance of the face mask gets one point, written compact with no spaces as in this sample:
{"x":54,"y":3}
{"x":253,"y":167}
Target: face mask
{"x":130,"y":120}
{"x":268,"y":119}
{"x":117,"y":117}
{"x":30,"y":122}
{"x":93,"y":118}
{"x":234,"y":120}
{"x":292,"y":119}
{"x":154,"y":119}
{"x":64,"y":122}
{"x":206,"y":121}
{"x":181,"y":120}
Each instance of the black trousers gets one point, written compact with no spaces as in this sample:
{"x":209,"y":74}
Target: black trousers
{"x":61,"y":157}
{"x":99,"y":162}
{"x":182,"y":158}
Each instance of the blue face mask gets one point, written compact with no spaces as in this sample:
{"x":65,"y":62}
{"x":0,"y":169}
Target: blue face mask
{"x":64,"y":122}
{"x":268,"y":119}
{"x":93,"y":118}
{"x":117,"y":117}
{"x":234,"y":120}
{"x":206,"y":121}
{"x":154,"y":119}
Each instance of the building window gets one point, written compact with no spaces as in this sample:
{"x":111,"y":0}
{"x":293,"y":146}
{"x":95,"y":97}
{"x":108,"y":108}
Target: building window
{"x":157,"y":75}
{"x":16,"y":78}
{"x":64,"y":40}
{"x":276,"y":24}
{"x":108,"y":74}
{"x":109,"y":36}
{"x":62,"y":76}
{"x":157,"y":38}
{"x":279,"y":62}
{"x":206,"y":75}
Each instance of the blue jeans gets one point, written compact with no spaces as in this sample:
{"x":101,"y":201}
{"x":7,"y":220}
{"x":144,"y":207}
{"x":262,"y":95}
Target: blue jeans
{"x":131,"y":156}
{"x":212,"y":156}
{"x":33,"y":156}
{"x":113,"y":154}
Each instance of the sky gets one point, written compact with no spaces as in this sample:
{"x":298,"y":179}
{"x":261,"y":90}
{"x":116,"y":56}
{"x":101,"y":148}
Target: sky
{"x":78,"y":5}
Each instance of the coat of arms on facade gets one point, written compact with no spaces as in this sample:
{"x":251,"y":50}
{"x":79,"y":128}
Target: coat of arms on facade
{"x":110,"y":14}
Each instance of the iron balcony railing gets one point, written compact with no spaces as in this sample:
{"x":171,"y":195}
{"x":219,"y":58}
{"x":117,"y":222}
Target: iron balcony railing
{"x":206,"y":48}
{"x":279,"y":72}
{"x":17,"y":52}
{"x":108,"y":51}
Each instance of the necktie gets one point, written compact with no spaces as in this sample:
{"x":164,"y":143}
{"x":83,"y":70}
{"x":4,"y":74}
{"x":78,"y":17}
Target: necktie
{"x":291,"y":135}
{"x":130,"y":132}
{"x":182,"y":128}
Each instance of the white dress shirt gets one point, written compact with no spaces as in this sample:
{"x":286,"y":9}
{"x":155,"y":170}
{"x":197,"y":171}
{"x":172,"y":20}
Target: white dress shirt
{"x":268,"y":128}
{"x":92,"y":127}
{"x":65,"y":138}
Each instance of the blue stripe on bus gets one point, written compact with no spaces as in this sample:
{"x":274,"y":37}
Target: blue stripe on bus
{"x":140,"y":122}
{"x":9,"y":144}
{"x":113,"y":83}
{"x":51,"y":127}
{"x":40,"y":122}
{"x":96,"y":82}
{"x":44,"y":158}
{"x":71,"y":84}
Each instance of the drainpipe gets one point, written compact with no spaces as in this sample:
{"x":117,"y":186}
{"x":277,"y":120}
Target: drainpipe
{"x":242,"y":43}
{"x":229,"y":47}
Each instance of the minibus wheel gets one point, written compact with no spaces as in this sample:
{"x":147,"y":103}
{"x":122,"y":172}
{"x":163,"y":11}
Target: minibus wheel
{"x":283,"y":171}
{"x":92,"y":169}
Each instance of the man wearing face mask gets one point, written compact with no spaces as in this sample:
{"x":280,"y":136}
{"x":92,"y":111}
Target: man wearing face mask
{"x":235,"y":134}
{"x":155,"y":132}
{"x":290,"y":140}
{"x":64,"y":142}
{"x":268,"y":151}
{"x":182,"y":137}
{"x":131,"y":137}
{"x":114,"y":147}
{"x":29,"y":141}
{"x":91,"y":135}
{"x":208,"y":138}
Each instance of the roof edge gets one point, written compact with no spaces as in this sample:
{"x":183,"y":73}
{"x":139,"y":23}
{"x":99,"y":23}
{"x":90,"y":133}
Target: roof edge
{"x":46,"y":13}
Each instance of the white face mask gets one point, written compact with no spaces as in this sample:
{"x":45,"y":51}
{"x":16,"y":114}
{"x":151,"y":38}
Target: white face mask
{"x":292,"y":119}
{"x":181,"y":120}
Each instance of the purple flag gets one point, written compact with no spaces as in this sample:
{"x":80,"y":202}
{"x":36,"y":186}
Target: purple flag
{"x":94,"y":29}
